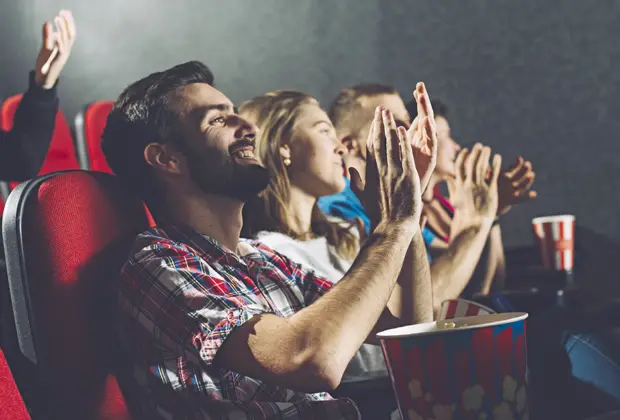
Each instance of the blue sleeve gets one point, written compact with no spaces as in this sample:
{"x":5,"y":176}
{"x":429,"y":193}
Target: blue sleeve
{"x":428,"y":237}
{"x":344,"y":205}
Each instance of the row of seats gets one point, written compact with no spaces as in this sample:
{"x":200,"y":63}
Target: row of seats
{"x":66,"y":236}
{"x":65,"y":152}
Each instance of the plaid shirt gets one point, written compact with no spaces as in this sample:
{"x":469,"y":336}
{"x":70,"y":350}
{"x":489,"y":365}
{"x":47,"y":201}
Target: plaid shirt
{"x":181,"y":295}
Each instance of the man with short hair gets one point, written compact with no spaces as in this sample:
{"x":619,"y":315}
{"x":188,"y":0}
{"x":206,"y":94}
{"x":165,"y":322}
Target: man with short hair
{"x":218,"y":327}
{"x":453,"y":269}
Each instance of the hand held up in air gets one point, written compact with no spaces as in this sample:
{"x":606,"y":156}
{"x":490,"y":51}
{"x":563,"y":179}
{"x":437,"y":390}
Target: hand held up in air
{"x":473,"y":194}
{"x":422,"y":135}
{"x":514,"y":185}
{"x":55,"y":50}
{"x":392,"y":192}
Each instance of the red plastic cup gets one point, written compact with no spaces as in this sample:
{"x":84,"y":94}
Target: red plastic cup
{"x":464,"y":368}
{"x":556,"y":239}
{"x":458,"y":308}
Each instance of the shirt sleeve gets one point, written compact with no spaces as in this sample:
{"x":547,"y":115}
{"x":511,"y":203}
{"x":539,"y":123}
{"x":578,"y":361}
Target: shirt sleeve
{"x":23,"y":149}
{"x":311,"y":285}
{"x":182,"y":302}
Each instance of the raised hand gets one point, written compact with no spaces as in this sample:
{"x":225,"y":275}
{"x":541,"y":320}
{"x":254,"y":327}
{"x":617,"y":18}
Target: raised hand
{"x":472,"y":193}
{"x":423,"y":136}
{"x":514,"y":185}
{"x":392,"y":191}
{"x":55,"y":50}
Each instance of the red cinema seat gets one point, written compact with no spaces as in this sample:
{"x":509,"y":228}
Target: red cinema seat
{"x":66,"y":237}
{"x":61,"y":154}
{"x":89,"y":125}
{"x":11,"y":403}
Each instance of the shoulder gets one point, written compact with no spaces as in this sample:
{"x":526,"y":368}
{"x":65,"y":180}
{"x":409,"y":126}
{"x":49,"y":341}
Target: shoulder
{"x":155,"y":242}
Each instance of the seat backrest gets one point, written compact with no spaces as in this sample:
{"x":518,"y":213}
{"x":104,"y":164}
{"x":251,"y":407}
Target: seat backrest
{"x":66,"y":237}
{"x":61,"y":154}
{"x":11,"y":403}
{"x":89,"y":125}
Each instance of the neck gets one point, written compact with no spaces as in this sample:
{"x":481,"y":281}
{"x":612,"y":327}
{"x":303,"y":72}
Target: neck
{"x":299,"y":208}
{"x":216,"y":216}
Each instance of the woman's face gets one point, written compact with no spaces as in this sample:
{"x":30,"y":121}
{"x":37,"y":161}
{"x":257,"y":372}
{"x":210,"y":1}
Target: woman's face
{"x":316,"y":154}
{"x":447,"y":149}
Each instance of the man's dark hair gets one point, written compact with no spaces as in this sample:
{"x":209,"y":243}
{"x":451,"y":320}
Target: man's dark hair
{"x":346,"y":111}
{"x":145,"y":113}
{"x":439,"y":108}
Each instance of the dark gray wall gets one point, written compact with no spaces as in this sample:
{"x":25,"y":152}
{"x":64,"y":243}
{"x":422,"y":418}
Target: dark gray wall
{"x":525,"y":76}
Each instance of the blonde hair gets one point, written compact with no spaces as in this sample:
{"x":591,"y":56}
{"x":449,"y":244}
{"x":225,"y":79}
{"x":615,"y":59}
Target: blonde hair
{"x":275,"y":113}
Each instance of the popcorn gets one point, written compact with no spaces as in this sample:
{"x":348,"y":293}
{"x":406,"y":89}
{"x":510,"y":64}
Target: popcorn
{"x":503,"y":412}
{"x":412,"y":415}
{"x":510,"y":388}
{"x":521,"y":399}
{"x":442,"y":412}
{"x":472,"y":397}
{"x":415,"y":389}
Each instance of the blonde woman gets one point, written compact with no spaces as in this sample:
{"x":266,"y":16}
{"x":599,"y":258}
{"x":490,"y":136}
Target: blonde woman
{"x":297,"y":143}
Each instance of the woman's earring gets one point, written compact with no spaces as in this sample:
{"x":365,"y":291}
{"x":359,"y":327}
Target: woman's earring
{"x":287,"y":161}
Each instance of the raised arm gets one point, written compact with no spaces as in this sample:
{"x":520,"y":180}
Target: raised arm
{"x":475,"y":201}
{"x":310,"y":350}
{"x":23,"y":149}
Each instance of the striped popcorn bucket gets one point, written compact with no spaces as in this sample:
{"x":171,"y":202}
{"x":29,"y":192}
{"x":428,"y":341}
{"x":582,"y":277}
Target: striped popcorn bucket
{"x":467,"y":368}
{"x":556,"y":238}
{"x":458,"y":308}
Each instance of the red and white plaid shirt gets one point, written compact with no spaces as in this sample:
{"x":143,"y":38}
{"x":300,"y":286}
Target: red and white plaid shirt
{"x":181,"y":294}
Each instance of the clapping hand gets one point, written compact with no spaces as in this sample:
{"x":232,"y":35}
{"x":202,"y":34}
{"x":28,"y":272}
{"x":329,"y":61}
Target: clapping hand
{"x":473,"y":191}
{"x":392,"y":191}
{"x":423,"y":136}
{"x":514,"y":185}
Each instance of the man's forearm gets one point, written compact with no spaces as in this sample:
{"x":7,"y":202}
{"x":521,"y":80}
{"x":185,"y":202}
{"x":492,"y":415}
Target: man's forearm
{"x":412,"y":298}
{"x":493,"y":261}
{"x":498,"y":275}
{"x":336,"y":325}
{"x":453,"y":269}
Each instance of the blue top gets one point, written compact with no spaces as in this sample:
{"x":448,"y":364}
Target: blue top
{"x":347,"y":206}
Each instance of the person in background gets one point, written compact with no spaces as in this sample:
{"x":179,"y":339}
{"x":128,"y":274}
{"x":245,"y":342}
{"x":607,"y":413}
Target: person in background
{"x":24,"y":147}
{"x":514,"y":187}
{"x":218,"y":327}
{"x":569,"y":362}
{"x":297,"y":143}
{"x":453,"y":269}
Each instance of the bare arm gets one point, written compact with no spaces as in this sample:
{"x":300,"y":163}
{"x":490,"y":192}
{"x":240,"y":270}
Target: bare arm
{"x":412,"y":298}
{"x":311,"y":350}
{"x":452,"y":270}
{"x":475,"y":201}
{"x":494,"y":261}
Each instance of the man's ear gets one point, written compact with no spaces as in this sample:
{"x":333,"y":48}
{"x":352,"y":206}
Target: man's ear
{"x":164,"y":157}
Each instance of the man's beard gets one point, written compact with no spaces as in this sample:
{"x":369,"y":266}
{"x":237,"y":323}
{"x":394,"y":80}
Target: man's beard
{"x":227,"y":178}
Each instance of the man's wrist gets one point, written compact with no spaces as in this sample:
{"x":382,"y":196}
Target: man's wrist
{"x":464,"y":221}
{"x":406,"y":228}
